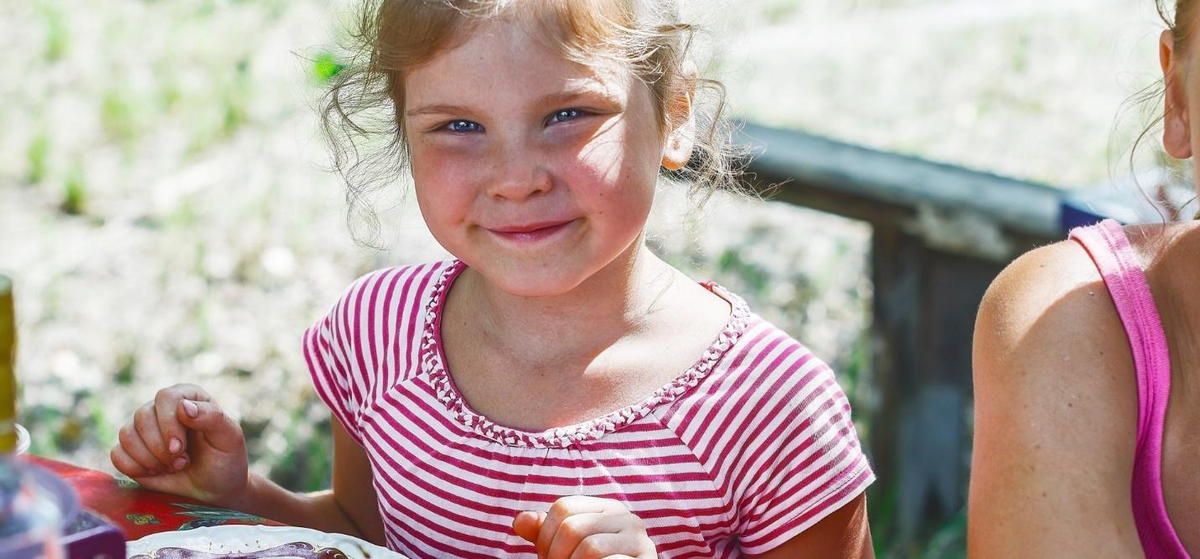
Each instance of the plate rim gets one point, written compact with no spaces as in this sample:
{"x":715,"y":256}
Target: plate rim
{"x":131,"y":547}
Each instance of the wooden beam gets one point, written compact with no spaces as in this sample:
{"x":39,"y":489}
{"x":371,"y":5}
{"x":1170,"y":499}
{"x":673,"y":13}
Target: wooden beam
{"x":890,"y":189}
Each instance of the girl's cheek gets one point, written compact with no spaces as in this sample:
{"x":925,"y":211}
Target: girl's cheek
{"x":603,"y":160}
{"x":445,"y":161}
{"x":448,"y":146}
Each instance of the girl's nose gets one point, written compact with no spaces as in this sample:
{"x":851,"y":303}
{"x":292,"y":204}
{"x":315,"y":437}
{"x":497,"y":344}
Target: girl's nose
{"x":520,"y":173}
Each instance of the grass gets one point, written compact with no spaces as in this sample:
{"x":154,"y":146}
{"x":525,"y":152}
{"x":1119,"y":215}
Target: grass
{"x":58,"y":37}
{"x":36,"y":157}
{"x":75,"y":193}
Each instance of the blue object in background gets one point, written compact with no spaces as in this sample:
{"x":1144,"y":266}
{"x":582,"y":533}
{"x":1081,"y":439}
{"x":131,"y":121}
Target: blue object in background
{"x":1150,"y":198}
{"x":1072,"y":215}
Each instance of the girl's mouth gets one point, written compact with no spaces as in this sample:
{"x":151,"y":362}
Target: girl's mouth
{"x":530,"y":233}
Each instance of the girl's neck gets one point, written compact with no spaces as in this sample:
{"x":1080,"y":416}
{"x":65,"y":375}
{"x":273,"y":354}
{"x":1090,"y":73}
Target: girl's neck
{"x":615,"y":302}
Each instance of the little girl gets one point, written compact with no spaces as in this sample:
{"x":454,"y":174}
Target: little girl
{"x":556,"y":389}
{"x":1087,"y":376}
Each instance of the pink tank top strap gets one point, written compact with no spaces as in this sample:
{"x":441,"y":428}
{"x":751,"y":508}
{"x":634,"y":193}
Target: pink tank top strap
{"x":1119,"y":264}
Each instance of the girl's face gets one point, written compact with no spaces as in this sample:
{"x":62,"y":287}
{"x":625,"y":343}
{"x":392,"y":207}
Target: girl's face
{"x":536,"y":171}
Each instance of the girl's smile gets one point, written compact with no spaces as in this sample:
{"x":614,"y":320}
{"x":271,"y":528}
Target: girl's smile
{"x":533,"y":233}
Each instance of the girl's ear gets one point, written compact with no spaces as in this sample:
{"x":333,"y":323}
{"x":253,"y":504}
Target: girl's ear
{"x":681,"y":138}
{"x":1177,"y":137}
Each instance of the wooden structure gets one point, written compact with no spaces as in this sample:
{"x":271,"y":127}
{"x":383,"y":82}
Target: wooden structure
{"x":940,"y":235}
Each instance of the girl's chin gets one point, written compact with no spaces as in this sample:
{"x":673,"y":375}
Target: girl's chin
{"x":532,"y":285}
{"x":534,"y":279}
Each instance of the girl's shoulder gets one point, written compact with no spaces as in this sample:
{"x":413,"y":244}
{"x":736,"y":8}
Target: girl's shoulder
{"x":384,"y":298}
{"x":767,"y":364}
{"x":378,"y":314}
{"x":396,"y":287}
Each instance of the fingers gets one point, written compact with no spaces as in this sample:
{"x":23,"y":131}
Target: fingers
{"x":559,"y":511}
{"x":527,"y":524}
{"x":585,"y":535}
{"x":127,"y":465}
{"x":218,"y":429}
{"x":580,"y":527}
{"x":155,"y":440}
{"x":145,"y":424}
{"x":605,"y":546}
{"x":166,"y":404}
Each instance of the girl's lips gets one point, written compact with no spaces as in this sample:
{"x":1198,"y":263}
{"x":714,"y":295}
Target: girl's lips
{"x":532,"y":233}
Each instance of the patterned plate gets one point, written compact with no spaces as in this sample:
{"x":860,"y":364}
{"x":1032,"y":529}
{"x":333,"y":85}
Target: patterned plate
{"x":255,"y":542}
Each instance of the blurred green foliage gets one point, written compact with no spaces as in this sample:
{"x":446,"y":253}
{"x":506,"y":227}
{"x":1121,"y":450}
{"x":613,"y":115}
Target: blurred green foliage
{"x":325,"y":67}
{"x":35,"y":156}
{"x":57,"y":35}
{"x":75,"y":194}
{"x":118,"y":116}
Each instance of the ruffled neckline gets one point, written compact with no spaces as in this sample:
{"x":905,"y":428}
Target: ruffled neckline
{"x":433,"y":361}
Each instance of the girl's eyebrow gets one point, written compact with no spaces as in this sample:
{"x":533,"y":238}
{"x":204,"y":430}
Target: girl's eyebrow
{"x":439,"y":110}
{"x":564,"y":97}
{"x":573,"y":93}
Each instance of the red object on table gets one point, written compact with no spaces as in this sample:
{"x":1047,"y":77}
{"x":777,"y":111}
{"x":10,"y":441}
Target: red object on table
{"x":138,"y":511}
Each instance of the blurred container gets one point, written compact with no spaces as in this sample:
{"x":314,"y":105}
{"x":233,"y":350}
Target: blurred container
{"x":37,"y":506}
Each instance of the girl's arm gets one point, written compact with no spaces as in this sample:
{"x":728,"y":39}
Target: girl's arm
{"x":844,"y":534}
{"x":1055,"y":415}
{"x":350,"y":507}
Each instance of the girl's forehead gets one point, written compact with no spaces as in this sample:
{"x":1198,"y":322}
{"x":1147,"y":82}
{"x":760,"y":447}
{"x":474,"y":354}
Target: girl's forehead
{"x":494,"y":57}
{"x":580,"y":30}
{"x":499,"y":41}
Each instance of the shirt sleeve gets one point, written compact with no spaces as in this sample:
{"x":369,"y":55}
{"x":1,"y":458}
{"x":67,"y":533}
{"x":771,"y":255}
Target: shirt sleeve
{"x":808,"y":461}
{"x":341,"y":367}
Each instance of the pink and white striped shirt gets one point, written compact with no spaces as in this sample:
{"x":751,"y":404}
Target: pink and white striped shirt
{"x":747,"y":448}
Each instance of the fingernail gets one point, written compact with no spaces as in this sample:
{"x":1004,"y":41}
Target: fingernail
{"x":190,"y":408}
{"x":179,"y":463}
{"x":175,"y":445}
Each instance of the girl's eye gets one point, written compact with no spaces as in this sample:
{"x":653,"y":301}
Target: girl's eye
{"x":463,"y":126}
{"x":565,"y":115}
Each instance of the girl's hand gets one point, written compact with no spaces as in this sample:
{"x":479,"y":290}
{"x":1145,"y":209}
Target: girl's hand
{"x":581,"y":527}
{"x":182,"y":443}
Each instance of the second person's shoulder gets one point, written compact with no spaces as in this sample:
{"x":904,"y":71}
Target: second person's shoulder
{"x":1050,"y":300}
{"x":1048,"y":330}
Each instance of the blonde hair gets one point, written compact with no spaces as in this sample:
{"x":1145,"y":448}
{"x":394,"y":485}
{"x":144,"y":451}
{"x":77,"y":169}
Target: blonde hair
{"x":362,"y":111}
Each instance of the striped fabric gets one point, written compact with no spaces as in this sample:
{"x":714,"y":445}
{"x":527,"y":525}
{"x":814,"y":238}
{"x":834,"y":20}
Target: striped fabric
{"x":743,"y":451}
